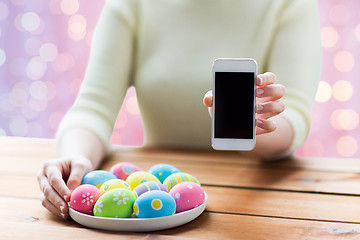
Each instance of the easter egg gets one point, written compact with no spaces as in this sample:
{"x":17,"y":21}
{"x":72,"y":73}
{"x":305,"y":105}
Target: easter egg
{"x":139,"y":177}
{"x":114,"y":183}
{"x":97,"y":177}
{"x":124,"y":169}
{"x":187,"y":195}
{"x":84,"y":197}
{"x":116,"y":203}
{"x":162,"y":171}
{"x":148,"y":186}
{"x":154,"y":203}
{"x":176,"y":178}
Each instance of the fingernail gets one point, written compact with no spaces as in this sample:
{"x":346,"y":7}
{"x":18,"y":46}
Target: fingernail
{"x":62,"y":215}
{"x":261,"y":80}
{"x":260,"y":107}
{"x":260,"y":91}
{"x":65,"y":197}
{"x":259,"y":122}
{"x":62,"y":208}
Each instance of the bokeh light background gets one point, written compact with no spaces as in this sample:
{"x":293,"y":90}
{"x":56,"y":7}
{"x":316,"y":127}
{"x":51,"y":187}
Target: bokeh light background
{"x":44,"y":49}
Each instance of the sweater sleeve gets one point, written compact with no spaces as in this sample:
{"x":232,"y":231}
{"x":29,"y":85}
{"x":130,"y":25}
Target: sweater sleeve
{"x":108,"y":74}
{"x":295,"y":58}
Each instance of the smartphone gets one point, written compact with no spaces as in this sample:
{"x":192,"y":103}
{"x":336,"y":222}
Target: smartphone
{"x":233,"y":116}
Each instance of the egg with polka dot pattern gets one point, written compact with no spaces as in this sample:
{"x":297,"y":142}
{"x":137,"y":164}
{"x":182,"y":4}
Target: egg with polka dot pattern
{"x":176,"y":178}
{"x":124,"y":169}
{"x":97,"y":178}
{"x":112,"y":184}
{"x":162,"y":171}
{"x":139,"y":177}
{"x":148,"y":186}
{"x":187,"y":195}
{"x":116,"y":203}
{"x":153,"y":204}
{"x":84,"y":197}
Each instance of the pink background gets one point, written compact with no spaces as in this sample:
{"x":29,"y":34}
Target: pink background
{"x":44,"y":48}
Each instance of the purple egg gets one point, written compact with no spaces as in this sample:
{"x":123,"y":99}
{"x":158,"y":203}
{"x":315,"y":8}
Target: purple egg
{"x":148,"y":186}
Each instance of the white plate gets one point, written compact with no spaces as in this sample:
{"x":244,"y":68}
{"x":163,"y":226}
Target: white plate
{"x":138,"y":224}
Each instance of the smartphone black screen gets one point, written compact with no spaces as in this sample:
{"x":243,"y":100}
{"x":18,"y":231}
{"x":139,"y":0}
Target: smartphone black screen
{"x":234,"y":105}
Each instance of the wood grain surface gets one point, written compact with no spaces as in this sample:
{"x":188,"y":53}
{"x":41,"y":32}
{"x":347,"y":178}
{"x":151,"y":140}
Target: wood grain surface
{"x":297,"y":198}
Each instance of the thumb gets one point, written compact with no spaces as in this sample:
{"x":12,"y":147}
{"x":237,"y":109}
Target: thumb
{"x":78,"y":170}
{"x":208,"y":99}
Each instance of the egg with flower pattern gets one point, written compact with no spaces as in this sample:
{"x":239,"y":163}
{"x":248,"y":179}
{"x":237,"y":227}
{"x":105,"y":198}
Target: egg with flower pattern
{"x":116,"y":203}
{"x":84,"y":197}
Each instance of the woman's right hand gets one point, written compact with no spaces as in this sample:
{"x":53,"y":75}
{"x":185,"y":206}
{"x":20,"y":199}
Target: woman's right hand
{"x":58,"y":178}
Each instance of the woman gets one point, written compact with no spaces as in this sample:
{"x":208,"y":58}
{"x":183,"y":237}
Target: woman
{"x":165,"y":49}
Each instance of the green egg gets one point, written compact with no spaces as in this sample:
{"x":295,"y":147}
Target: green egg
{"x":116,"y":203}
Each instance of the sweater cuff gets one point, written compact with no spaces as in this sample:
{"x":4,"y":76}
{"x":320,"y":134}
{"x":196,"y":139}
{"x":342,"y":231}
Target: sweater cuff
{"x":301,"y":128}
{"x":99,"y":128}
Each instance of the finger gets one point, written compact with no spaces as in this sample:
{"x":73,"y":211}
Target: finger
{"x":49,"y":206}
{"x":265,"y":79}
{"x":270,"y":109}
{"x":208,"y":99}
{"x":271,"y":92}
{"x":56,"y":181}
{"x":78,"y":170}
{"x":265,"y":126}
{"x":52,"y":198}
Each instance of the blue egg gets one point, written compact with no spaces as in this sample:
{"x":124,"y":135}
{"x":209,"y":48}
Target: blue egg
{"x":97,"y":178}
{"x":162,"y":171}
{"x":154,"y":203}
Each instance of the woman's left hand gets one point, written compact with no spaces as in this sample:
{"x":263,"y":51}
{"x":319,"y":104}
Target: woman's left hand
{"x":268,"y":104}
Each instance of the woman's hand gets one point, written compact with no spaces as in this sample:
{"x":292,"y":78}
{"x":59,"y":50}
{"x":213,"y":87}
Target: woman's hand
{"x":57,"y":180}
{"x":268,"y":104}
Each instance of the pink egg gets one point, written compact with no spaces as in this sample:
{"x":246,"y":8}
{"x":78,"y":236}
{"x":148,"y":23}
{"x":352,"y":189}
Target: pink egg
{"x":84,"y":198}
{"x":124,"y":169}
{"x":187,"y":195}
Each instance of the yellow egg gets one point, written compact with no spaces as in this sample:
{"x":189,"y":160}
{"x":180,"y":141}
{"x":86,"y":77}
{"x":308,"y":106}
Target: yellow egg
{"x":139,"y":177}
{"x":114,"y":183}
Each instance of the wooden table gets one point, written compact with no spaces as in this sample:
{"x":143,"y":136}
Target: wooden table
{"x":299,"y":198}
